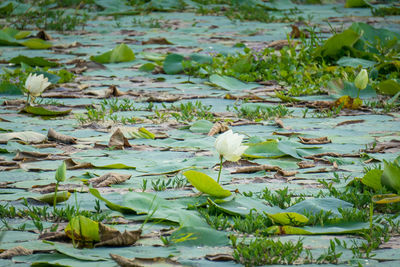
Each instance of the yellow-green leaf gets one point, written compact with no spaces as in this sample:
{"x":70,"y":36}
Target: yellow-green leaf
{"x":83,"y":229}
{"x":62,"y":196}
{"x":206,"y":184}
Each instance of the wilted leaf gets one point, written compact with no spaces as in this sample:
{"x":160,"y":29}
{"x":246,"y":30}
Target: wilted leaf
{"x":16,"y":251}
{"x":386,"y":199}
{"x":161,"y":41}
{"x":118,"y":140}
{"x":135,"y":262}
{"x":52,"y":135}
{"x":112,"y":237}
{"x":348,"y":102}
{"x":83,"y":229}
{"x":218,"y":127}
{"x":28,"y":136}
{"x":109,"y":179}
{"x":314,"y":141}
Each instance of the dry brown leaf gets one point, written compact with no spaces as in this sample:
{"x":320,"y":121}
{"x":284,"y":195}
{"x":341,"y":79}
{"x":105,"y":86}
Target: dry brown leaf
{"x":306,"y":164}
{"x":113,"y":237}
{"x":73,"y":165}
{"x":16,"y":251}
{"x":14,"y":102}
{"x":286,"y":134}
{"x":52,"y":135}
{"x":297,"y":33}
{"x":220,"y":257}
{"x":279,"y":122}
{"x":314,"y":141}
{"x":118,"y":140}
{"x":142,"y":262}
{"x":43,"y":35}
{"x":109,"y":179}
{"x":27,"y":156}
{"x":391,"y":146}
{"x":279,"y":44}
{"x":60,"y":236}
{"x":251,"y":169}
{"x":50,"y":188}
{"x":160,"y":40}
{"x":218,"y":127}
{"x":349,"y":122}
{"x":286,"y":173}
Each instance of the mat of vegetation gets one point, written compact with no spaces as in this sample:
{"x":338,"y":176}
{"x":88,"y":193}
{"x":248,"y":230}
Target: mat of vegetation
{"x":199,"y":133}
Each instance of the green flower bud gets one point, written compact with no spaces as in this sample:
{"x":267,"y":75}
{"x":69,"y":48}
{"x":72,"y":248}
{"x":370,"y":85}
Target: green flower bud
{"x":361,"y":80}
{"x":60,"y":173}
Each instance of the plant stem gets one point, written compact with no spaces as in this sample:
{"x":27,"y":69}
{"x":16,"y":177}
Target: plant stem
{"x":55,"y":198}
{"x":220,"y":167}
{"x":371,"y":214}
{"x":358,"y":93}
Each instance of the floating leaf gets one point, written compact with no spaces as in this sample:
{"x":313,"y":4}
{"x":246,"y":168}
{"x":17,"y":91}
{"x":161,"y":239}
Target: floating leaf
{"x":113,"y":206}
{"x":342,"y":228}
{"x":121,"y":53}
{"x":46,"y":110}
{"x":201,"y":126}
{"x":356,"y":3}
{"x":33,"y":61}
{"x":230,"y":83}
{"x":36,"y":43}
{"x":109,"y":179}
{"x":206,"y":184}
{"x":173,"y":64}
{"x":199,"y":236}
{"x":28,"y":136}
{"x":386,"y":199}
{"x":49,"y":198}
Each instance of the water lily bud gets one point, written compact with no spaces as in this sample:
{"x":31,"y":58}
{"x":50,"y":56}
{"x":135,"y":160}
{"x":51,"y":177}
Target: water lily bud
{"x":61,"y":173}
{"x":361,"y":80}
{"x":229,"y":145}
{"x":36,"y":84}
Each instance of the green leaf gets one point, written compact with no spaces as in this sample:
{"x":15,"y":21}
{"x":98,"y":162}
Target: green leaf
{"x":341,"y":228}
{"x":386,"y":199}
{"x":6,"y":39}
{"x":156,"y":57}
{"x":355,"y":62}
{"x":202,"y":59}
{"x":33,"y":61}
{"x":288,"y":218}
{"x":111,"y":205}
{"x":36,"y":43}
{"x":389,"y":87}
{"x":115,"y":166}
{"x":7,"y":88}
{"x":83,"y":229}
{"x":62,"y":196}
{"x":121,"y":53}
{"x":51,"y":77}
{"x":45,"y":111}
{"x":373,"y":179}
{"x":147,"y":67}
{"x":173,"y":64}
{"x":266,"y":149}
{"x":201,"y":126}
{"x":199,"y":236}
{"x":356,"y":3}
{"x":206,"y":184}
{"x":391,"y":175}
{"x":230,"y":83}
{"x":336,"y":45}
{"x":61,"y":172}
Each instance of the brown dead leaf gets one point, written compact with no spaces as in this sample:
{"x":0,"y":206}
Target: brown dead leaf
{"x":251,"y":169}
{"x":83,"y":65}
{"x":279,"y":44}
{"x":349,"y":122}
{"x":113,"y":237}
{"x":60,"y":236}
{"x":306,"y":164}
{"x":160,"y":41}
{"x":391,"y":146}
{"x":27,"y":156}
{"x":109,"y":179}
{"x":279,"y":122}
{"x":286,"y":134}
{"x":14,"y":102}
{"x":218,"y":127}
{"x":73,"y":165}
{"x":50,"y":188}
{"x":314,"y":141}
{"x":286,"y":173}
{"x":16,"y":251}
{"x":118,"y":140}
{"x":43,"y":35}
{"x":142,"y":262}
{"x":220,"y":257}
{"x":297,"y":33}
{"x":52,"y":135}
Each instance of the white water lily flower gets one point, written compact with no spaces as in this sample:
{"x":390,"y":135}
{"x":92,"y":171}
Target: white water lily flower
{"x":361,"y":80}
{"x":229,"y":146}
{"x":36,"y":84}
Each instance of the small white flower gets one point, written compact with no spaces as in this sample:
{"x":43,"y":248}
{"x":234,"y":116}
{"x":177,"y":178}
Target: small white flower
{"x":361,"y":80}
{"x":229,"y":146}
{"x":36,"y":84}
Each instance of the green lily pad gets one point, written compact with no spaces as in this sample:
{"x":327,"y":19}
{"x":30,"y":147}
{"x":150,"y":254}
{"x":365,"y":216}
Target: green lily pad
{"x":121,"y":53}
{"x":33,"y":61}
{"x":173,"y":64}
{"x":46,"y":111}
{"x":230,"y":83}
